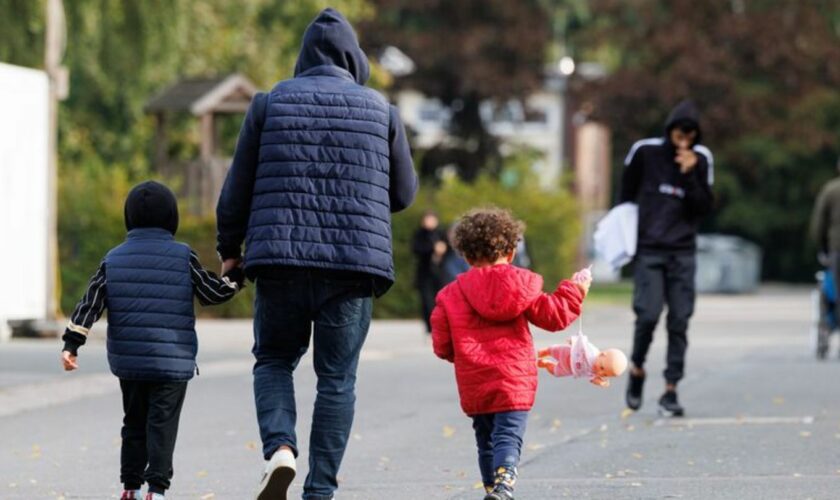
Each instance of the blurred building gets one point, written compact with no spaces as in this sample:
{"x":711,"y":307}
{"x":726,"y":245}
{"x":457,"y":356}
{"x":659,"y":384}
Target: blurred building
{"x":537,"y":122}
{"x":205,"y":99}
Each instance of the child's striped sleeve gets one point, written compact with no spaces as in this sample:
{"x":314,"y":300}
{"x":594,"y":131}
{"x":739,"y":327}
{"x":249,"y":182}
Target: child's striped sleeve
{"x":87,"y":312}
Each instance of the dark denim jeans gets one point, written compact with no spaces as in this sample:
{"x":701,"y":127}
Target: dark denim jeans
{"x":285,"y":312}
{"x":498,"y":437}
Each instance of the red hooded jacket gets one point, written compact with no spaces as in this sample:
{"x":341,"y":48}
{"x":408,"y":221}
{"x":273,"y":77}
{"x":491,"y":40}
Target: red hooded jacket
{"x":480,"y":323}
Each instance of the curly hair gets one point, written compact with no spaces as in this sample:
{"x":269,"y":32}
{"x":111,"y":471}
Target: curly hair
{"x":487,"y":234}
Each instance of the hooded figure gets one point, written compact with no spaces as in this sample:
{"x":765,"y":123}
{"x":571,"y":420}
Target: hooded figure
{"x":670,"y":203}
{"x":670,"y":178}
{"x":320,"y":165}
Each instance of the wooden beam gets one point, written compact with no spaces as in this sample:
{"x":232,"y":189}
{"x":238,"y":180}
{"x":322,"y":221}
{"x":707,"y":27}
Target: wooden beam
{"x":162,"y":164}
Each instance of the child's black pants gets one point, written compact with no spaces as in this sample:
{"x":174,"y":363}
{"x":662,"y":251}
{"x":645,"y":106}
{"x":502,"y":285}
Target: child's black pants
{"x":150,"y":426}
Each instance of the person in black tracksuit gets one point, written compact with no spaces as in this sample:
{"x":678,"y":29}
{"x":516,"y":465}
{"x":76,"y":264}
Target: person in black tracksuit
{"x":670,"y":178}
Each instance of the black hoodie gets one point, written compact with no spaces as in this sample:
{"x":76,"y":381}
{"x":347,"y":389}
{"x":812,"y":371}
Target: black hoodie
{"x":151,"y":204}
{"x":330,"y":41}
{"x":670,"y":203}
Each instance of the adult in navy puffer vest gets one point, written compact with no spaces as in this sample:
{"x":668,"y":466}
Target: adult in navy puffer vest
{"x":320,"y":165}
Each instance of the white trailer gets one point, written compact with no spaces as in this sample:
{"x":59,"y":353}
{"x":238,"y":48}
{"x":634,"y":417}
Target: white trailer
{"x":24,"y":197}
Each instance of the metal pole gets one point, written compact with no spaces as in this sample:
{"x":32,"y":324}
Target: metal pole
{"x":54,"y":48}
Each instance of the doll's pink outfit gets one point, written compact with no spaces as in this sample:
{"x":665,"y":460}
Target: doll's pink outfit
{"x":575,"y":359}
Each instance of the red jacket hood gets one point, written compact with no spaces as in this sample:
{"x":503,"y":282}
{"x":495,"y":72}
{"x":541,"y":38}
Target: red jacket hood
{"x":501,"y":292}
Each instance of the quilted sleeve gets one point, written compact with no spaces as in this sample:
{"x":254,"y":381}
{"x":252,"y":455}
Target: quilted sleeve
{"x":557,"y":310}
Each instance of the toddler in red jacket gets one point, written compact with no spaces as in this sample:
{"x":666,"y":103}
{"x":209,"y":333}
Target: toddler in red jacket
{"x":481,"y":324}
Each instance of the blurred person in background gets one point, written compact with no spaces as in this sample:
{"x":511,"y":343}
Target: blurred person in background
{"x":429,"y":247}
{"x":670,"y":178}
{"x":825,"y":224}
{"x":452,"y":264}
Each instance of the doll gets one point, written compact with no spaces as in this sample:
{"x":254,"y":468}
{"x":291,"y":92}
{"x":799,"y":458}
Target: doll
{"x":579,"y":358}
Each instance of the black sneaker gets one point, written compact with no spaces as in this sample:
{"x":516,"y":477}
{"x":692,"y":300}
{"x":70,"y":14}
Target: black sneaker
{"x":500,"y":492}
{"x":669,"y":406}
{"x":634,"y":391}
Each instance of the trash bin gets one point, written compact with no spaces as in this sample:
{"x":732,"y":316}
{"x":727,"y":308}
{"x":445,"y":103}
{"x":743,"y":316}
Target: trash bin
{"x":727,"y":264}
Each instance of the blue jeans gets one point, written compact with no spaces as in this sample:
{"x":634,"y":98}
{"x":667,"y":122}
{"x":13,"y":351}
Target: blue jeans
{"x":285,"y":312}
{"x":499,"y":440}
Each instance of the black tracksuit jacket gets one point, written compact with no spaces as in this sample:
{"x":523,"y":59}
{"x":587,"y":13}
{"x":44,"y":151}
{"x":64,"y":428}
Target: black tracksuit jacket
{"x":670,"y":203}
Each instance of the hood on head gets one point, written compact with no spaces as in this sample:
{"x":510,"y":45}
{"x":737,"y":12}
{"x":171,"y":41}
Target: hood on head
{"x":684,"y":112}
{"x":330,"y":41}
{"x":151,"y":204}
{"x":500,"y":293}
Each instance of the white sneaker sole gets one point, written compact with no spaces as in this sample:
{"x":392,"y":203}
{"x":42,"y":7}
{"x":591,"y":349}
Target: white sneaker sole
{"x":275,"y":485}
{"x":670,"y":414}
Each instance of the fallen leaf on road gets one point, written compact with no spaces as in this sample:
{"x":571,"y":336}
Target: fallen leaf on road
{"x":208,"y":496}
{"x":638,"y":456}
{"x":36,"y":451}
{"x":626,"y":413}
{"x":778,"y":400}
{"x":201,"y":473}
{"x":448,"y":431}
{"x":631,"y":428}
{"x":251,"y":445}
{"x":478,"y":485}
{"x":805,"y":434}
{"x":535,"y":446}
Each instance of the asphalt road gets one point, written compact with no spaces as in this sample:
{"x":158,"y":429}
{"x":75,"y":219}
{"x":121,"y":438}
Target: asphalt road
{"x":763,"y":418}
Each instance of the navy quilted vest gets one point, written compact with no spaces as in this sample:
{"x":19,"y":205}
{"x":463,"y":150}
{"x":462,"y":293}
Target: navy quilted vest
{"x":151,"y":319}
{"x":321,"y":191}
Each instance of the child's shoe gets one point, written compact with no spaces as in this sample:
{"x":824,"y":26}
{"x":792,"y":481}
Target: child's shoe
{"x":131,"y":495}
{"x":500,"y":492}
{"x":279,"y":474}
{"x":503,"y":484}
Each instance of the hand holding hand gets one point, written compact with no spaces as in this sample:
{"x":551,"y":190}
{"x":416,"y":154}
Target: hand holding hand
{"x":687,"y":160}
{"x":69,"y":361}
{"x":229,"y":264}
